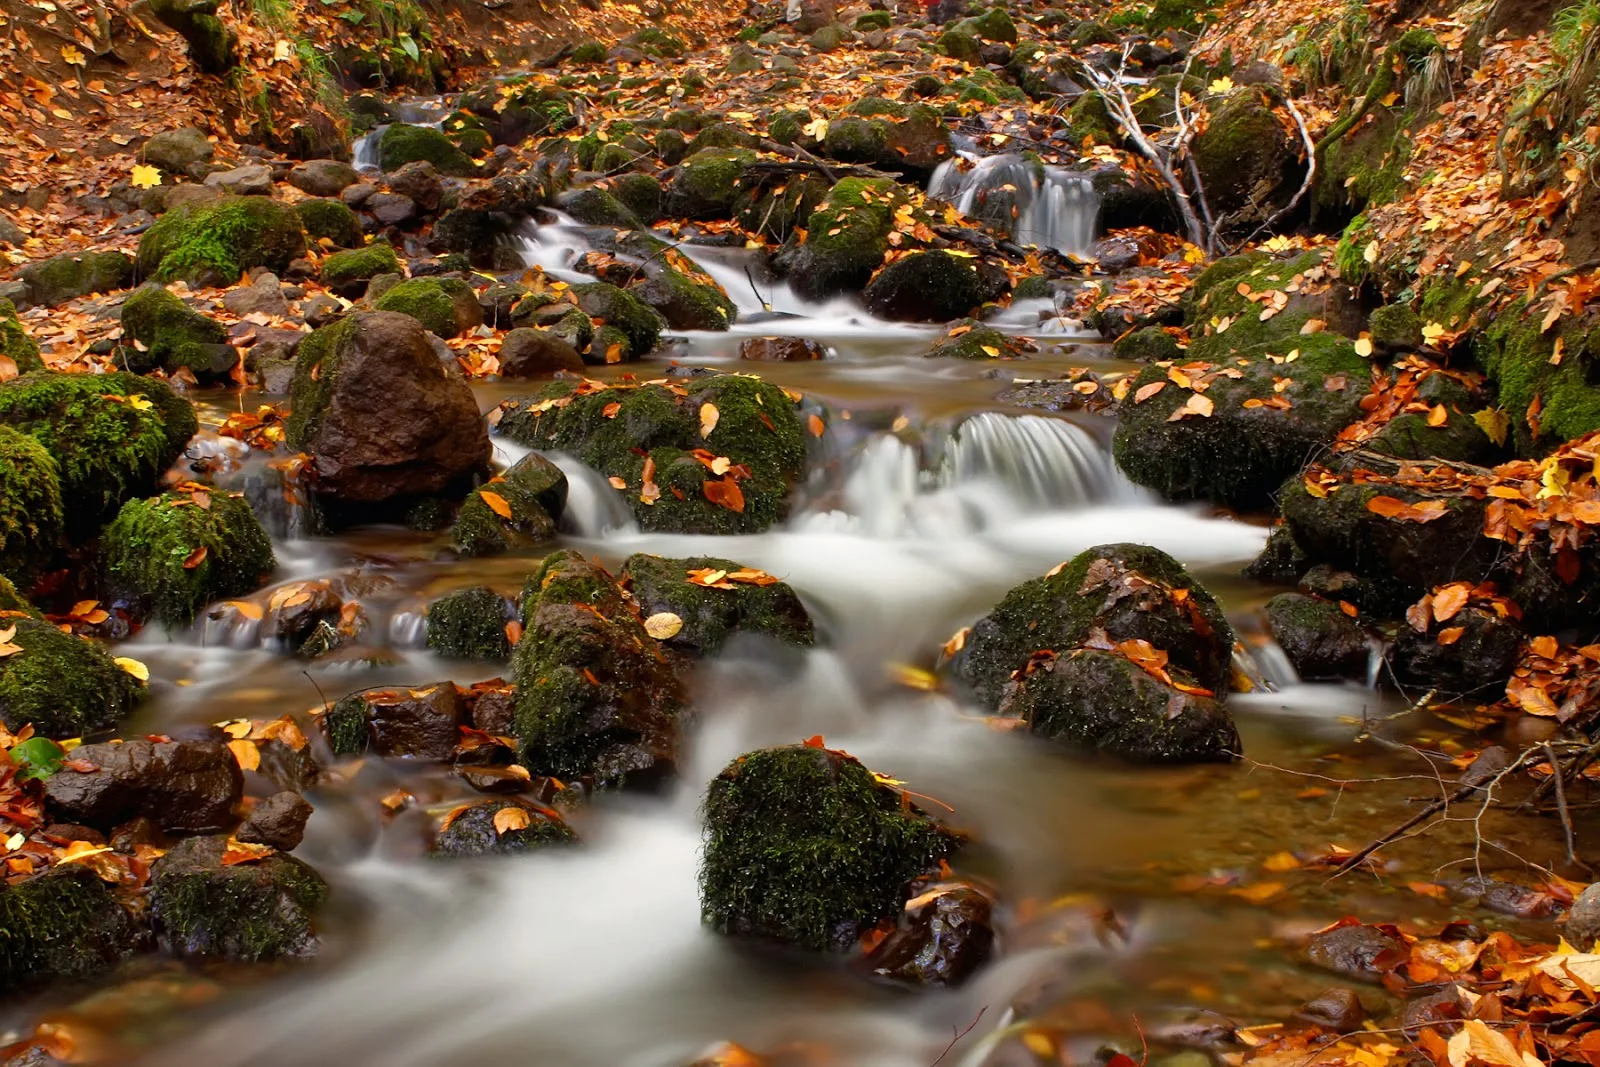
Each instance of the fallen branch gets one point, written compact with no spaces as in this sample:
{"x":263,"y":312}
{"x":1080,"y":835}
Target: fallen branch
{"x":959,"y":1036}
{"x":1305,"y":186}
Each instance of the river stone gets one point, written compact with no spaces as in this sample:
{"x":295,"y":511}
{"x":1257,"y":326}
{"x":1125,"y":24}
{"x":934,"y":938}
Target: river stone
{"x":1476,"y":664}
{"x":1335,"y":1008}
{"x":1583,"y":921}
{"x":241,"y":912}
{"x":529,"y":353}
{"x":781,"y":349}
{"x":713,"y":617}
{"x":322,"y":177}
{"x":534,"y":491}
{"x":472,"y":832}
{"x":1322,"y":642}
{"x":931,"y":287}
{"x":63,"y":923}
{"x":944,"y":935}
{"x":254,"y":179}
{"x":53,"y":282}
{"x":421,"y":723}
{"x":187,"y":787}
{"x":175,"y":151}
{"x":391,"y":209}
{"x":279,"y":821}
{"x":1363,"y":952}
{"x":420,"y":182}
{"x":470,"y":624}
{"x":379,"y":415}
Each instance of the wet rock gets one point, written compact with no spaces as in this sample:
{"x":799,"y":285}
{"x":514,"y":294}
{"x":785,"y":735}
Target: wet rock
{"x":1322,"y":642}
{"x":65,"y":686}
{"x":141,"y":830}
{"x":295,"y":616}
{"x":250,"y":180}
{"x":1111,"y":593}
{"x":944,"y":935}
{"x":31,"y":515}
{"x":470,"y":624}
{"x":263,"y":296}
{"x":494,"y":710}
{"x":53,"y":282}
{"x":1583,"y":921}
{"x":176,"y":151}
{"x":187,"y":787}
{"x":804,"y":846}
{"x":1336,"y":1008}
{"x":62,"y":924}
{"x":391,"y":209}
{"x":595,"y":696}
{"x":711,"y":617}
{"x":1471,"y":654}
{"x":248,"y":912}
{"x":847,"y":240}
{"x":323,"y":177}
{"x":534,"y":491}
{"x":687,"y":303}
{"x":502,"y":828}
{"x":781,"y":349}
{"x":931,"y":287}
{"x":171,"y":556}
{"x":379,"y":415}
{"x":419,"y":182}
{"x":279,"y":821}
{"x":1441,"y":1011}
{"x":1244,"y":155}
{"x":1458,"y":437}
{"x":402,"y":144}
{"x":1363,"y":952}
{"x":636,"y":323}
{"x":416,"y":723}
{"x":527,"y":353}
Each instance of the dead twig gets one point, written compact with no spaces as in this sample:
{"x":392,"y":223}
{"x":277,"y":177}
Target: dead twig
{"x":960,"y":1035}
{"x":1561,"y":804}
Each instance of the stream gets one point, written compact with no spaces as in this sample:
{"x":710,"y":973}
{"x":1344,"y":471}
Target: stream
{"x":1125,"y":892}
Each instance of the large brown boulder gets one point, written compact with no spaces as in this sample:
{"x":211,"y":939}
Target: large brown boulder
{"x":187,"y":787}
{"x":379,"y":415}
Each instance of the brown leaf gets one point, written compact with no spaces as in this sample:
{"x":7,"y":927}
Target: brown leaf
{"x":1145,"y":392}
{"x":246,"y":754}
{"x":510,"y":818}
{"x":724,"y":493}
{"x":197,"y":557}
{"x":1449,"y":601}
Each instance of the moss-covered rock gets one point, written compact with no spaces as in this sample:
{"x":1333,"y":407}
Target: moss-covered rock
{"x":959,"y":44}
{"x":215,"y":242}
{"x":595,"y":696}
{"x":244,"y":912}
{"x":213,"y":46}
{"x":1123,"y":592}
{"x":32,"y":521}
{"x":639,"y":323}
{"x":1516,"y":353}
{"x":712,"y":617}
{"x":1148,"y":345}
{"x":111,"y":436}
{"x":707,"y":184}
{"x":330,"y":220}
{"x":776,"y":213}
{"x":1447,"y":430}
{"x":873,"y":20}
{"x":1322,"y":642}
{"x":470,"y":624}
{"x":174,"y":554}
{"x":472,"y":831}
{"x":640,"y":194}
{"x":1476,"y":663}
{"x":829,"y":38}
{"x":993,"y":25}
{"x":62,"y":924}
{"x":1396,"y":327}
{"x":757,"y":428}
{"x":856,"y":140}
{"x":446,"y":306}
{"x":351,"y":270}
{"x":166,"y":334}
{"x":931,"y":287}
{"x":534,"y":490}
{"x":1099,"y":701}
{"x":806,"y":847}
{"x":1244,"y":153}
{"x":688,"y":303}
{"x":13,"y":601}
{"x":53,"y":282}
{"x":971,"y":339}
{"x":596,"y":207}
{"x":401,"y":144}
{"x":64,"y":685}
{"x":15,"y":344}
{"x":847,"y":239}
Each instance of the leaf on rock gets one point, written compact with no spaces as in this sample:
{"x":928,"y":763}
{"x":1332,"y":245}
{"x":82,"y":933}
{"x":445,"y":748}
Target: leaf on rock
{"x":663,"y":625}
{"x":510,"y":818}
{"x":134,"y":667}
{"x":246,"y":754}
{"x":708,"y":418}
{"x":497,"y":503}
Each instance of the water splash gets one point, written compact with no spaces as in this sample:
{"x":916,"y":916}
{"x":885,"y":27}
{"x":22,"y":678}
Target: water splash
{"x":1049,"y":207}
{"x":553,"y":248}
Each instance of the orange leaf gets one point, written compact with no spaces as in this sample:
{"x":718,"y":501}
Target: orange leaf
{"x":1449,"y":601}
{"x":1387,"y":506}
{"x":197,"y":557}
{"x":815,"y":741}
{"x":725,"y":493}
{"x":510,"y":818}
{"x":815,"y":425}
{"x":1145,"y":392}
{"x":496,"y":502}
{"x":246,"y":754}
{"x":1451,"y":635}
{"x":513,"y":632}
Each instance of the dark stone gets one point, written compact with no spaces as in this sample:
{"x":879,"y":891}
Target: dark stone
{"x":175,"y":151}
{"x":188,"y":787}
{"x":1363,"y":952}
{"x":1441,"y":1012}
{"x":419,"y":182}
{"x":495,"y":712}
{"x":781,"y":349}
{"x":416,"y":723}
{"x":391,"y":209}
{"x":1477,"y":664}
{"x":473,"y":833}
{"x":1335,"y":1008}
{"x":529,"y":353}
{"x":62,"y":924}
{"x":1583,"y":921}
{"x":242,"y":912}
{"x":1320,"y":640}
{"x":279,"y":821}
{"x":931,"y":287}
{"x":253,"y":179}
{"x":944,"y":935}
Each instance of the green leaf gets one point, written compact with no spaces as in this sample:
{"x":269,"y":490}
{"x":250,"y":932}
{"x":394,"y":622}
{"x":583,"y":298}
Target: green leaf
{"x":410,"y":47}
{"x":354,"y":18}
{"x":37,"y":757}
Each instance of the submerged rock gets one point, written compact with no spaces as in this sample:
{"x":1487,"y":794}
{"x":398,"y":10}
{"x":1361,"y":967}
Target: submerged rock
{"x":482,"y":829}
{"x":185,"y":787}
{"x":63,"y":923}
{"x":805,"y":846}
{"x":944,"y":935}
{"x":248,"y":912}
{"x":711,"y":617}
{"x":1322,"y":642}
{"x":66,"y":686}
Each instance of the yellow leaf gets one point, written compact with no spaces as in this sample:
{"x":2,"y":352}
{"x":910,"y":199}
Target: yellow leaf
{"x":991,"y":351}
{"x":663,"y":625}
{"x":138,"y":403}
{"x":510,"y":818}
{"x":816,"y":128}
{"x":1364,"y":346}
{"x":708,"y":419}
{"x":73,"y":56}
{"x":914,"y":677}
{"x":1221,"y":86}
{"x":282,"y":52}
{"x":1389,"y":100}
{"x":496,"y":502}
{"x":134,"y":667}
{"x":1494,"y":423}
{"x":246,"y":754}
{"x":1371,"y":254}
{"x":145,"y":177}
{"x":1554,"y":481}
{"x":1433,"y":333}
{"x":1477,"y":1042}
{"x":960,"y":253}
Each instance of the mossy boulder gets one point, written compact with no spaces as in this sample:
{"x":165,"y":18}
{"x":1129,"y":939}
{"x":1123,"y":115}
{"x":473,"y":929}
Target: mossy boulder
{"x":177,"y":552}
{"x":534,"y":490}
{"x":639,"y":323}
{"x":688,"y":302}
{"x":1396,"y":327}
{"x":1241,"y":452}
{"x":993,"y":25}
{"x":1448,"y":429}
{"x":213,"y":46}
{"x":776,"y":213}
{"x":804,"y":846}
{"x":757,"y":429}
{"x":330,"y":220}
{"x":1517,"y":353}
{"x":595,"y":695}
{"x":112,"y":436}
{"x":971,"y":339}
{"x":640,"y":194}
{"x":1112,"y":593}
{"x":243,"y":912}
{"x":847,"y":239}
{"x":1475,"y":662}
{"x":161,"y":332}
{"x":175,"y":151}
{"x":1244,"y":154}
{"x":711,"y":617}
{"x":959,"y":44}
{"x":53,"y":282}
{"x":829,"y":38}
{"x":597,"y":207}
{"x":401,"y":144}
{"x":470,"y":624}
{"x":348,"y":272}
{"x":707,"y":184}
{"x":15,"y":344}
{"x":856,"y":140}
{"x":1148,"y":345}
{"x":932,"y":287}
{"x":32,"y":521}
{"x":472,"y":831}
{"x":64,"y":685}
{"x":1322,"y":642}
{"x":448,"y":307}
{"x":215,"y":242}
{"x":722,"y":135}
{"x":62,"y":924}
{"x":1100,"y":701}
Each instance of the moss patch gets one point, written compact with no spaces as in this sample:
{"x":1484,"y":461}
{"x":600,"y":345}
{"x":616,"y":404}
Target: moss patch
{"x":64,"y":685}
{"x":332,"y":220}
{"x":215,"y":243}
{"x":534,"y":490}
{"x":472,"y":832}
{"x":470,"y":624}
{"x":360,"y":264}
{"x":62,"y":924}
{"x":402,"y":144}
{"x":245,"y":913}
{"x":168,"y":334}
{"x":711,"y":617}
{"x":1516,"y":355}
{"x":15,"y":344}
{"x":847,"y":238}
{"x":431,"y":301}
{"x":32,"y":521}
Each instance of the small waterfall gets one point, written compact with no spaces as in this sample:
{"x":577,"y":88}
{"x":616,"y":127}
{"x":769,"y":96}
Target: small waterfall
{"x":594,"y":509}
{"x":1049,"y":207}
{"x":1039,"y":461}
{"x":364,"y":151}
{"x":553,"y":248}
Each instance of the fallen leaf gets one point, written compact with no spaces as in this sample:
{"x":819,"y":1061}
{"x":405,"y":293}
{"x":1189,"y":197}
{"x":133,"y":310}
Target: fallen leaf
{"x":133,"y":667}
{"x":511,"y":818}
{"x":145,"y":177}
{"x":246,"y":754}
{"x":708,"y":418}
{"x":663,"y":625}
{"x":497,"y":503}
{"x":197,"y":557}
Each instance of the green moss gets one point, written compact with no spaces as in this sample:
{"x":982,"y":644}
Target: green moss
{"x":1516,"y":352}
{"x":640,"y":194}
{"x":346,"y":726}
{"x":330,"y":219}
{"x":1187,"y":15}
{"x":1147,"y":345}
{"x":168,"y":333}
{"x":689,"y":303}
{"x":1089,"y":117}
{"x":596,"y":207}
{"x":216,"y":242}
{"x":657,"y":42}
{"x":1451,"y":302}
{"x":150,"y":549}
{"x":360,"y":264}
{"x":106,"y":434}
{"x":638,"y":322}
{"x":1349,"y":255}
{"x":428,"y":300}
{"x":854,"y":140}
{"x":64,"y":685}
{"x":64,"y":277}
{"x":975,"y":342}
{"x":1366,"y":168}
{"x":848,"y":237}
{"x":534,"y":489}
{"x":777,"y":213}
{"x":11,"y":600}
{"x":707,"y":184}
{"x":1243,"y":148}
{"x":246,"y":912}
{"x":1396,"y":326}
{"x":31,"y":517}
{"x":805,"y":846}
{"x":470,"y":624}
{"x":1215,"y":299}
{"x":473,"y":833}
{"x":63,"y":924}
{"x":959,"y":44}
{"x":711,"y":617}
{"x":589,"y":53}
{"x":402,"y":144}
{"x":722,"y":135}
{"x":316,"y":372}
{"x":993,"y":25}
{"x":873,"y":20}
{"x":15,"y":344}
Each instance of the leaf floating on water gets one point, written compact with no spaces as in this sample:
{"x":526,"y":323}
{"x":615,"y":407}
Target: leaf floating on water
{"x":511,"y":818}
{"x":496,"y":502}
{"x":708,"y":418}
{"x":133,"y":667}
{"x":663,"y":625}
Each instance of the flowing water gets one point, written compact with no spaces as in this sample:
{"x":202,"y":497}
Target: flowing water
{"x":1047,"y":206}
{"x":932,"y":500}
